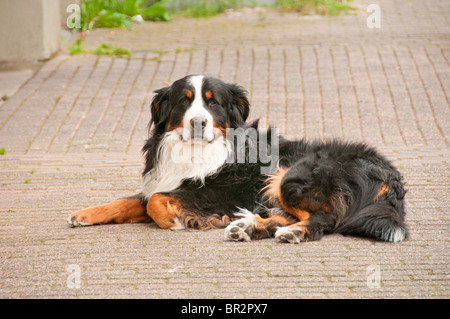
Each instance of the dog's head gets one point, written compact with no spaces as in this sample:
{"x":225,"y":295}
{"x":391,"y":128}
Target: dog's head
{"x":199,"y":107}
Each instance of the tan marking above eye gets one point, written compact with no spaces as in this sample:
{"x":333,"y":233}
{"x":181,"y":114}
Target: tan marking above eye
{"x":208,"y":95}
{"x":188,"y":94}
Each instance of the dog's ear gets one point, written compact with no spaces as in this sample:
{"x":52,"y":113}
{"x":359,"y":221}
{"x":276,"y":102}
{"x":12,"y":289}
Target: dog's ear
{"x":239,"y":107}
{"x":160,"y":107}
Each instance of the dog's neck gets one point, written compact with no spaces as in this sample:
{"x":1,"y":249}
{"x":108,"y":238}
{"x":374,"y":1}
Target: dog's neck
{"x":177,"y":160}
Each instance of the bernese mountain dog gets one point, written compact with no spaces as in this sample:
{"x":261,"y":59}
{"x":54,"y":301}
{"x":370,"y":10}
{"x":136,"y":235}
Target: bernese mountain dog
{"x":206,"y":168}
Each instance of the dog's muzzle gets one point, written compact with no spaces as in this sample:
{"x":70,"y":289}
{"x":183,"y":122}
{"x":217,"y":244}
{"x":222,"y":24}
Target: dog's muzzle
{"x":197,"y":129}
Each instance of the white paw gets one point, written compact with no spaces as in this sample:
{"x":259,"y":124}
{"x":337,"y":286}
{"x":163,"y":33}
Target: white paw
{"x":178,"y":225}
{"x":290,"y":235}
{"x":241,"y":229}
{"x":73,"y":222}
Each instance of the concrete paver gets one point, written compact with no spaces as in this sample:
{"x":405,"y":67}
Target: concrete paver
{"x":73,"y":131}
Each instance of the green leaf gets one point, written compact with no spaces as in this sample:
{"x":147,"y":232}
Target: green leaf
{"x":113,"y":20}
{"x":118,"y":13}
{"x":155,"y":12}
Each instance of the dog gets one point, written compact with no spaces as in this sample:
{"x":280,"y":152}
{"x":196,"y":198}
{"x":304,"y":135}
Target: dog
{"x":197,"y":177}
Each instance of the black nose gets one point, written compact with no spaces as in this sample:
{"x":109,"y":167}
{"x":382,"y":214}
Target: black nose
{"x":197,"y":122}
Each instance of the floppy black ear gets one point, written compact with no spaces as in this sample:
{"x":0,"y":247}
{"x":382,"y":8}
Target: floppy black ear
{"x":160,"y":107}
{"x":239,"y":106}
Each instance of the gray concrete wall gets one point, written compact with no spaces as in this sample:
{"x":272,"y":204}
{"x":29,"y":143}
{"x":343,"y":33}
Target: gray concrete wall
{"x":30,"y":30}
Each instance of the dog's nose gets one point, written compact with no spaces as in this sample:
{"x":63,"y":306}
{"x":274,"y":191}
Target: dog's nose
{"x":197,"y":122}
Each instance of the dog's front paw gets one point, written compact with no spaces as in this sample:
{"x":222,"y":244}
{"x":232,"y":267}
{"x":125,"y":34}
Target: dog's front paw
{"x":87,"y":217}
{"x":242,"y":229}
{"x":293,"y":235}
{"x":76,"y":220}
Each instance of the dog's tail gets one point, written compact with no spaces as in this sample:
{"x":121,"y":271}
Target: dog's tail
{"x":379,"y":221}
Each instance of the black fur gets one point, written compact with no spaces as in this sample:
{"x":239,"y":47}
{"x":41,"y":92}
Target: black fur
{"x":351,"y":173}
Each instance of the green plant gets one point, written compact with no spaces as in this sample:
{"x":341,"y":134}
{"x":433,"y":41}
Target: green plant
{"x":102,"y":49}
{"x":323,"y":7}
{"x":108,"y":49}
{"x":204,"y":8}
{"x":76,"y":47}
{"x":118,"y":13}
{"x":208,"y":8}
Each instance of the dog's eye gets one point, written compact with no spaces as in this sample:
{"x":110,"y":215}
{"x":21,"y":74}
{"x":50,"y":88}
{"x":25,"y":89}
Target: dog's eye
{"x":211,"y":102}
{"x":185,"y":102}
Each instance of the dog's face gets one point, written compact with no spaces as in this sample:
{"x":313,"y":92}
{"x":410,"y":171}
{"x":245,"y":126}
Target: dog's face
{"x":199,"y":108}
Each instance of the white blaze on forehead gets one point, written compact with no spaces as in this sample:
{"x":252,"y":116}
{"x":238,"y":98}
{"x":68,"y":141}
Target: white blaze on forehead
{"x":197,"y":109}
{"x":197,"y":82}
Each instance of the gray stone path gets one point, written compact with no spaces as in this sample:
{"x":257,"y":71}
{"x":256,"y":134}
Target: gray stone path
{"x":72,"y":135}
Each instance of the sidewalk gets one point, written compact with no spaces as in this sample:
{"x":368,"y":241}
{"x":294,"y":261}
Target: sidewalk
{"x":72,"y":134}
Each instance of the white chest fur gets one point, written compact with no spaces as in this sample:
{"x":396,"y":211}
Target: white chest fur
{"x":177,"y":161}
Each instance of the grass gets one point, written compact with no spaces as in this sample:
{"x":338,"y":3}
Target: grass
{"x":322,"y":7}
{"x":108,"y":49}
{"x":77,"y":47}
{"x":122,"y":13}
{"x":119,"y":13}
{"x":209,"y":8}
{"x":102,"y":49}
{"x":204,"y":8}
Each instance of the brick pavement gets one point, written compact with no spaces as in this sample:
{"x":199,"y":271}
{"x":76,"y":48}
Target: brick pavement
{"x":73,"y":131}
